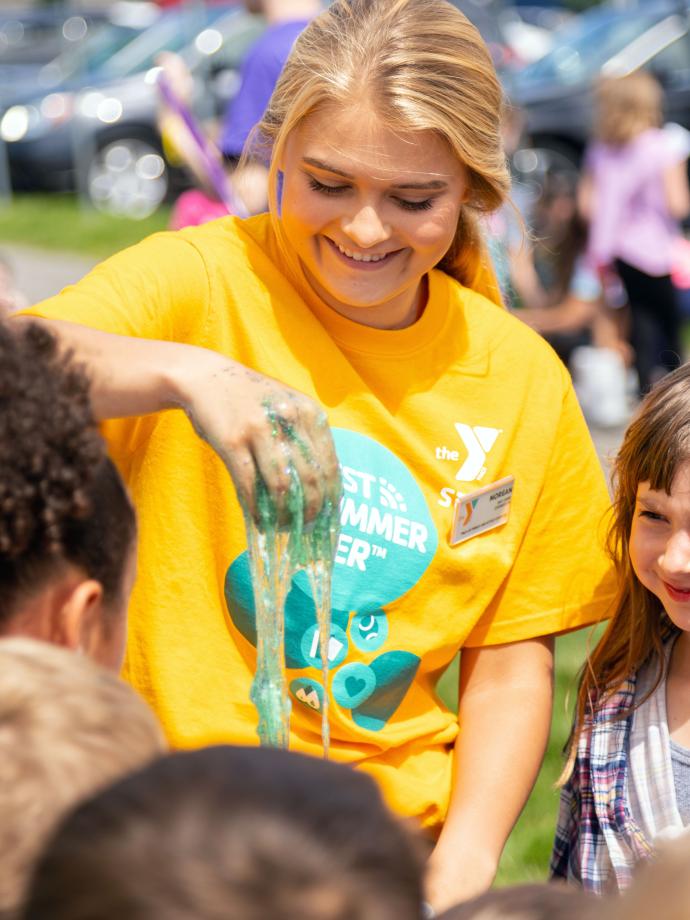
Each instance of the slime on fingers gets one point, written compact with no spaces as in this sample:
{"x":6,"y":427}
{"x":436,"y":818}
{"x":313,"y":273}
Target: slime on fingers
{"x":276,"y":553}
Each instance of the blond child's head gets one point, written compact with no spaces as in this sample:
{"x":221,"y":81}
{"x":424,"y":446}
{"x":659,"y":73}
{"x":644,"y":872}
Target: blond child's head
{"x":67,"y":728}
{"x":627,"y":106}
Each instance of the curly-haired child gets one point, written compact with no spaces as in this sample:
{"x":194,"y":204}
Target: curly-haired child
{"x":67,"y":527}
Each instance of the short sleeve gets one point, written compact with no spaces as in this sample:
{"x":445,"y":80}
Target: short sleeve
{"x":561,"y":578}
{"x":158,"y":289}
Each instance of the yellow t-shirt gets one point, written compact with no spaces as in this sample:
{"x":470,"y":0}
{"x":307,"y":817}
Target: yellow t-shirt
{"x":464,"y":397}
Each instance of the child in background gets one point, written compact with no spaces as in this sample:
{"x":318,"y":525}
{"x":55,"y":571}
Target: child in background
{"x":67,"y":527}
{"x":628,"y":782}
{"x":67,"y":728}
{"x":634,"y":192}
{"x":247,"y":833}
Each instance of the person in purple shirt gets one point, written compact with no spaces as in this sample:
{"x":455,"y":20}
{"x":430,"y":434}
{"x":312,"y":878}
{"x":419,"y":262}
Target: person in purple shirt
{"x":262,"y":67}
{"x":634,"y":192}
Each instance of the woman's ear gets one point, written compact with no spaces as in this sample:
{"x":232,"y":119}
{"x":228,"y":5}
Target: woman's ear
{"x":80,"y":617}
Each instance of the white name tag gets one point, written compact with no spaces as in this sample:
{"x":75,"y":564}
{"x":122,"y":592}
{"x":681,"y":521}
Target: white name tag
{"x":482,"y":510}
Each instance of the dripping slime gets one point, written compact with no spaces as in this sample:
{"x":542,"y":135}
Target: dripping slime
{"x":276,"y":553}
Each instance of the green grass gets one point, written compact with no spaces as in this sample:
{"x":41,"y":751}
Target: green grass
{"x":60,"y":222}
{"x":526,"y":856}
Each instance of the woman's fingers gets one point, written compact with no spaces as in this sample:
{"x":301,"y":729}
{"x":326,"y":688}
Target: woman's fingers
{"x":297,"y":461}
{"x":275,"y":442}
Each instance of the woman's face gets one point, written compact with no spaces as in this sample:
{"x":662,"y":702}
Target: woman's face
{"x":660,"y":545}
{"x":369,"y":212}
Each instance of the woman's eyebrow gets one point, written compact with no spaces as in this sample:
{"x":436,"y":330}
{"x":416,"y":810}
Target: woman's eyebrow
{"x":326,"y":167}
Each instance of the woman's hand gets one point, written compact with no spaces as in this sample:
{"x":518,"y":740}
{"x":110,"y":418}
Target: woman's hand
{"x":265,"y":432}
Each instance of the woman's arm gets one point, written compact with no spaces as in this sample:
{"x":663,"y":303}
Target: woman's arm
{"x":504,"y":716}
{"x":256,"y":425}
{"x":570,"y":315}
{"x":676,"y":190}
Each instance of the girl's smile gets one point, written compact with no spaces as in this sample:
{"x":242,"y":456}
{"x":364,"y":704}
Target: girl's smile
{"x":369,"y":212}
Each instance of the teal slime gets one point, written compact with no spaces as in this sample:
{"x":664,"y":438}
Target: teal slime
{"x":275,"y":555}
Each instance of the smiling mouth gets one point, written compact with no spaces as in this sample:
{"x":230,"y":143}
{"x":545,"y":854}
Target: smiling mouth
{"x":678,"y":594}
{"x":362,"y":259}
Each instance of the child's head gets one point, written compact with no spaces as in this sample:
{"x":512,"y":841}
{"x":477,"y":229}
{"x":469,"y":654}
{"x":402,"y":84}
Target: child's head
{"x":248,"y":833}
{"x":67,"y":528}
{"x":647,"y":538}
{"x":527,"y":902}
{"x":627,"y":106}
{"x":416,"y":68}
{"x":661,"y":887}
{"x":67,"y":728}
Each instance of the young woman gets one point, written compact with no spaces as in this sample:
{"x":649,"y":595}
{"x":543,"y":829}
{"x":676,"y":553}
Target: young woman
{"x":364,"y":288}
{"x":629,"y":769}
{"x":634,"y":193}
{"x":67,"y":527}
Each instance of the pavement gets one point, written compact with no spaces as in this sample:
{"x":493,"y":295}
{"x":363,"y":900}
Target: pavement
{"x":40,"y":274}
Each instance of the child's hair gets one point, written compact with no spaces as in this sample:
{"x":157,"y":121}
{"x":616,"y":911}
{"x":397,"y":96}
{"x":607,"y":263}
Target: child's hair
{"x":248,"y":833}
{"x":627,"y":106}
{"x":67,"y":728}
{"x":422,"y":66}
{"x":527,"y":902}
{"x":62,"y":500}
{"x":655,"y":445}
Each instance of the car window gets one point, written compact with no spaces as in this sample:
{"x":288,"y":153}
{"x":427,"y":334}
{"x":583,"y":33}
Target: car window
{"x":172,"y":33}
{"x":225,"y":43}
{"x":583,"y":46}
{"x":672,"y":64}
{"x":104,"y":41}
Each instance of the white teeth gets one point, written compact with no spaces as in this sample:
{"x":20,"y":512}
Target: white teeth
{"x":360,"y":256}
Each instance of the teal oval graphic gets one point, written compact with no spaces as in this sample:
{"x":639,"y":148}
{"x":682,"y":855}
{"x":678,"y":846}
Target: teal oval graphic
{"x":308,"y":693}
{"x":369,"y":631}
{"x":353,"y":684}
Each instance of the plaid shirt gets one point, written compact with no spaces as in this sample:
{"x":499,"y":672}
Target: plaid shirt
{"x":597,"y":842}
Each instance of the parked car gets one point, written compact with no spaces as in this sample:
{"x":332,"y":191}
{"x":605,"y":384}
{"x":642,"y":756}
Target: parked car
{"x":555,"y":92}
{"x":103,"y":139}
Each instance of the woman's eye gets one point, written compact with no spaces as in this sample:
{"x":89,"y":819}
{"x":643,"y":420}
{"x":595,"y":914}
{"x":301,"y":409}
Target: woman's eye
{"x":415,"y":205}
{"x":317,"y":186}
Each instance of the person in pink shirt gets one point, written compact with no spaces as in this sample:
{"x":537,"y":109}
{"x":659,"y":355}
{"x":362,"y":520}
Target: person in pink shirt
{"x":634,"y":192}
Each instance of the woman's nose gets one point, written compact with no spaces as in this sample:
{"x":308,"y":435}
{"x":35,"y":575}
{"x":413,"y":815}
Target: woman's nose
{"x":365,"y":228}
{"x":676,"y":557}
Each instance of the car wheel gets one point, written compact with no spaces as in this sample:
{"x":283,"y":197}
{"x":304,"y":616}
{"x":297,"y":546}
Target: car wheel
{"x":128,"y":177}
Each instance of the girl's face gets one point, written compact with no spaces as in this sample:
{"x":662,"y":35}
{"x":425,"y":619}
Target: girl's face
{"x":660,"y":545}
{"x":369,"y":212}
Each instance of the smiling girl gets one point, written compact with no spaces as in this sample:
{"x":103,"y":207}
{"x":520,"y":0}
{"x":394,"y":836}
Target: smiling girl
{"x":629,"y":770}
{"x":366,"y":288}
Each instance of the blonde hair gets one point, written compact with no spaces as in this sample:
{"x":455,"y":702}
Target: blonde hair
{"x":655,"y":445}
{"x":627,"y":106}
{"x":67,"y":728}
{"x":422,"y":66}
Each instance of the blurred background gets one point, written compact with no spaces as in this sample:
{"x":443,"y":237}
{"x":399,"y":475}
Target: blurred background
{"x":113,"y":113}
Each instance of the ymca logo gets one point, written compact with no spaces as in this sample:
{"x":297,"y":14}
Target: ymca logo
{"x":478,"y":441}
